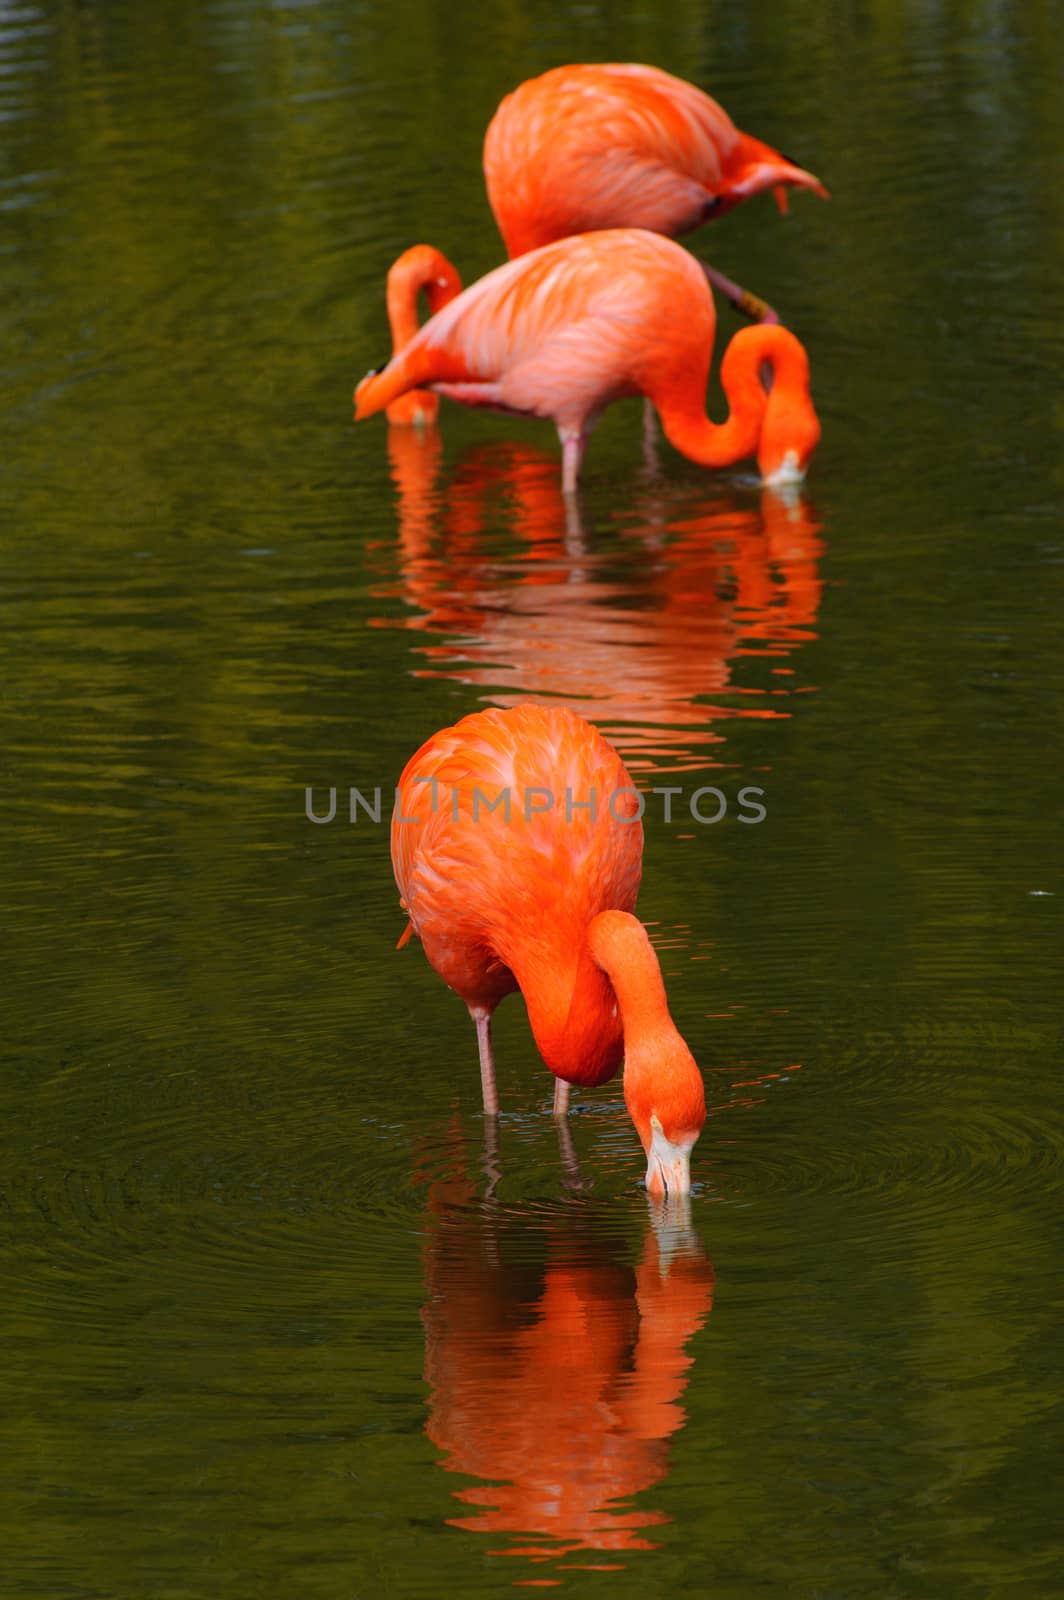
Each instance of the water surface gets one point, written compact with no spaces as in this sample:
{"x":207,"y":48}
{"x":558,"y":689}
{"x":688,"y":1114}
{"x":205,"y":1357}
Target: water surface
{"x":277,"y":1319}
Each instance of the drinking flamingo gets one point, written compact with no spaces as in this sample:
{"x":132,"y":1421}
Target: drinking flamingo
{"x":517,"y":848}
{"x":566,"y":329}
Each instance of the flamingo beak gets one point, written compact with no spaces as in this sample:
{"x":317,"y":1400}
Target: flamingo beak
{"x":789,"y":470}
{"x":668,"y":1164}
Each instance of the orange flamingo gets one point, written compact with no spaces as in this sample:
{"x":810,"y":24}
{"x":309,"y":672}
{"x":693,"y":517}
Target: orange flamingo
{"x":517,"y":849}
{"x":624,"y":146}
{"x":419,"y":269}
{"x":565,"y":330}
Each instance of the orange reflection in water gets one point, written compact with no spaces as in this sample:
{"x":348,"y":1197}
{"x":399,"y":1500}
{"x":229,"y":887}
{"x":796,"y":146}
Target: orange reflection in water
{"x":637,"y":629}
{"x":559,"y":1381}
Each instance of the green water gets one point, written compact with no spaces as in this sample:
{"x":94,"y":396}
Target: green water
{"x":275,"y":1321}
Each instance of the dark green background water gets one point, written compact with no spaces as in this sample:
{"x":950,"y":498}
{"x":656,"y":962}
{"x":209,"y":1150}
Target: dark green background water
{"x":256,"y":1308}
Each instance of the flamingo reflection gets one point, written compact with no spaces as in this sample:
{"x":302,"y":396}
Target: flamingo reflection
{"x":638,"y":631}
{"x":556,"y":1370}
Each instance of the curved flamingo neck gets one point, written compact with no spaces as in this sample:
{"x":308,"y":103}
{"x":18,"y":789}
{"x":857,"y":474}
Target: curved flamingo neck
{"x":618,"y":943}
{"x":714,"y":444}
{"x":572,"y":1009}
{"x":597,"y":998}
{"x":661,"y":1081}
{"x":417,"y":269}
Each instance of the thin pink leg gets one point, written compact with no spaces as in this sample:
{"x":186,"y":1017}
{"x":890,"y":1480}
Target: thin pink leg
{"x":751,"y":305}
{"x":487,"y":1062}
{"x":573,"y":447}
{"x":561,"y":1098}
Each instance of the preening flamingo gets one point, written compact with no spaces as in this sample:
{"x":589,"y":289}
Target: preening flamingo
{"x":624,"y":146}
{"x":565,"y":330}
{"x":517,"y":849}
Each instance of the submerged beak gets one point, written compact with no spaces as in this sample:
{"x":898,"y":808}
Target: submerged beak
{"x":668,"y":1165}
{"x":788,"y":470}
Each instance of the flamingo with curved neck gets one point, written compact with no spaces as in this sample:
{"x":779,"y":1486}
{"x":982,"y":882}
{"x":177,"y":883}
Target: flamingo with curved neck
{"x":419,"y":269}
{"x":517,"y":849}
{"x":565,"y":330}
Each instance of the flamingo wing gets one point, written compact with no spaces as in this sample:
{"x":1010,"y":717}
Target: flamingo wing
{"x":497,"y":850}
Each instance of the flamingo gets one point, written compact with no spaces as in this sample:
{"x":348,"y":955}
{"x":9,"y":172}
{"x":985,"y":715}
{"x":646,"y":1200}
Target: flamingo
{"x":517,"y":848}
{"x":420,"y":268}
{"x":583,"y":148}
{"x":566,"y":329}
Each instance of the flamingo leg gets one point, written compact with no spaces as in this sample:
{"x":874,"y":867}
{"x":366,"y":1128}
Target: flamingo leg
{"x":573,"y":447}
{"x":751,"y":305}
{"x":487,"y":1063}
{"x":561,"y":1098}
{"x":573,"y":1180}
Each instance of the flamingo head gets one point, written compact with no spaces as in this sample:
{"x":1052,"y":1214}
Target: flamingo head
{"x":784,"y":452}
{"x":666,"y":1100}
{"x":790,"y":431}
{"x":663,"y":1087}
{"x":669,"y":1162}
{"x":754,"y":166}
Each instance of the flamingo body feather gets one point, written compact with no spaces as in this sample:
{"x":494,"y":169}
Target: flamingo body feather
{"x":587,"y":147}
